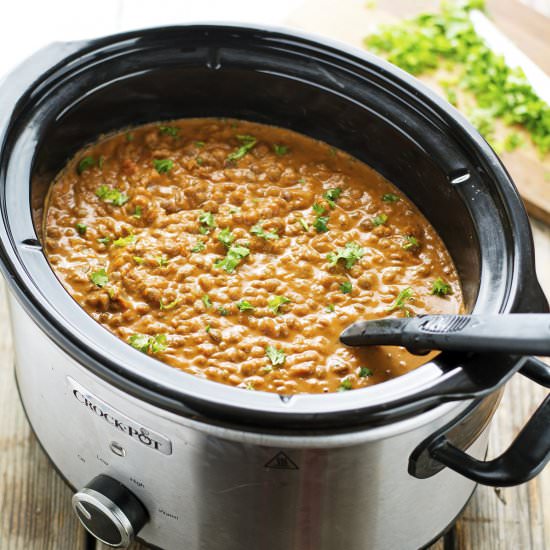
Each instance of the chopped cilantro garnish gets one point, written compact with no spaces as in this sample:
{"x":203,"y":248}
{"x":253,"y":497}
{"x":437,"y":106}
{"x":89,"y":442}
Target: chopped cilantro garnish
{"x":329,"y":308}
{"x":199,"y":144}
{"x":226,"y":237}
{"x":410,"y":242}
{"x":390,"y":197}
{"x":207,"y":329}
{"x":104,"y":240}
{"x":276,"y":356}
{"x":171,"y":305}
{"x":248,"y":142}
{"x":235,"y":255}
{"x":346,"y":287}
{"x":129,"y":136}
{"x":304,"y":224}
{"x":250,"y":386}
{"x":206,"y":301}
{"x":85,"y":164}
{"x":137,"y":212}
{"x":169,"y":130}
{"x":99,"y":278}
{"x":346,"y":384}
{"x":244,"y":305}
{"x":162,"y":261}
{"x":235,"y":210}
{"x":318,"y":208}
{"x":259,"y":231}
{"x":275,"y":302}
{"x":81,"y":228}
{"x":163,"y":166}
{"x":381,"y":219}
{"x":199,"y":161}
{"x":332,"y":195}
{"x":206,"y":219}
{"x":280,"y":149}
{"x":320,"y":224}
{"x":223,"y":311}
{"x":199,"y":247}
{"x":406,"y":295}
{"x":111,"y":195}
{"x":351,"y":253}
{"x":125,"y":241}
{"x":101,"y":161}
{"x":139,"y":260}
{"x":441,"y":288}
{"x":364,"y":372}
{"x":148,"y":344}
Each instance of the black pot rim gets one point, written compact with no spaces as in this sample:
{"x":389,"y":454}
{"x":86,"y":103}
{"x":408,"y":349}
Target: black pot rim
{"x":168,"y":388}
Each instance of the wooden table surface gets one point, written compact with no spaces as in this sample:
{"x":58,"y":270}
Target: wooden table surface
{"x":35,"y":509}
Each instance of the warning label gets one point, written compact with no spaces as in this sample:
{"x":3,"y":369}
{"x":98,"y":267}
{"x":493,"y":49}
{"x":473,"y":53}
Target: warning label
{"x":281,"y":461}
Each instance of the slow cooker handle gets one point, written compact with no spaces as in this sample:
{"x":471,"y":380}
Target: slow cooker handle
{"x":522,"y":461}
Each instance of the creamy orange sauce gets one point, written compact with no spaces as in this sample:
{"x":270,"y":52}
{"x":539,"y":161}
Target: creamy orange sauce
{"x":313,"y":240}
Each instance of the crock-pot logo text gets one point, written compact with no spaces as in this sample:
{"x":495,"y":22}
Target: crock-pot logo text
{"x":121,"y":422}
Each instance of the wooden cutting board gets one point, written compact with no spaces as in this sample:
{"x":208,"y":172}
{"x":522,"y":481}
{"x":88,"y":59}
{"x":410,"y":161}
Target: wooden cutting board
{"x":351,"y":20}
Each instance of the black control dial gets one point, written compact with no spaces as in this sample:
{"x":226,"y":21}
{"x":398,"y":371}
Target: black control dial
{"x":109,"y":511}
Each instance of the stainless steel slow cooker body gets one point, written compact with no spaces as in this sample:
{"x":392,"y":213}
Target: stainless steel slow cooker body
{"x":215,"y":466}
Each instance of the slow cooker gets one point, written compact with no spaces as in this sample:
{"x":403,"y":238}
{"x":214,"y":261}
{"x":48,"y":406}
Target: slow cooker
{"x":182,"y":462}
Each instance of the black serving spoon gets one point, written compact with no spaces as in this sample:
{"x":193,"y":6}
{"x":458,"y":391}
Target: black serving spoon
{"x":516,"y":333}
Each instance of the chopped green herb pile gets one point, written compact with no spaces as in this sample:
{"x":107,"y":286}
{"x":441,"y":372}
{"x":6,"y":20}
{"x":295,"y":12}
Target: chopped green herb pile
{"x":441,"y":288}
{"x":99,"y":278}
{"x":351,"y":253}
{"x":320,"y":224}
{"x":111,"y":195}
{"x":259,"y":231}
{"x":275,"y":302}
{"x":420,"y":44}
{"x":276,"y":356}
{"x":235,"y":255}
{"x":148,"y":344}
{"x":247,"y":144}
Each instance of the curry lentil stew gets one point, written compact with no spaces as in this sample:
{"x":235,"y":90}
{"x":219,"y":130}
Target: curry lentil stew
{"x":238,"y":252}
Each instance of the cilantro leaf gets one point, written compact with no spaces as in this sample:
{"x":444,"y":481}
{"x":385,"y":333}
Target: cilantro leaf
{"x":206,"y":219}
{"x":248,"y":142}
{"x":259,"y":231}
{"x":276,"y":356}
{"x":169,"y":130}
{"x":125,"y":241}
{"x":351,"y":253}
{"x":390,"y":197}
{"x":381,"y":219}
{"x":206,"y":301}
{"x":171,"y":305}
{"x":410,"y":243}
{"x":148,"y":344}
{"x":364,"y":372}
{"x":111,"y":195}
{"x":346,"y":384}
{"x":99,"y":278}
{"x":104,"y":240}
{"x":441,"y":288}
{"x":85,"y":164}
{"x":275,"y":302}
{"x":163,"y":166}
{"x":332,"y":195}
{"x":199,"y":247}
{"x":226,"y":237}
{"x":280,"y":149}
{"x":235,"y":255}
{"x":346,"y":287}
{"x":137,"y":212}
{"x":81,"y":228}
{"x":405,"y":296}
{"x":244,"y":305}
{"x":318,"y":208}
{"x":320,"y":224}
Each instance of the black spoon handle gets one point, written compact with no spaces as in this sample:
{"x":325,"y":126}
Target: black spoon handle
{"x":519,"y":333}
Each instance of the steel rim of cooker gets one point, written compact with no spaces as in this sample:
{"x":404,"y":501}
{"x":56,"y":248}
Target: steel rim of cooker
{"x":447,"y":378}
